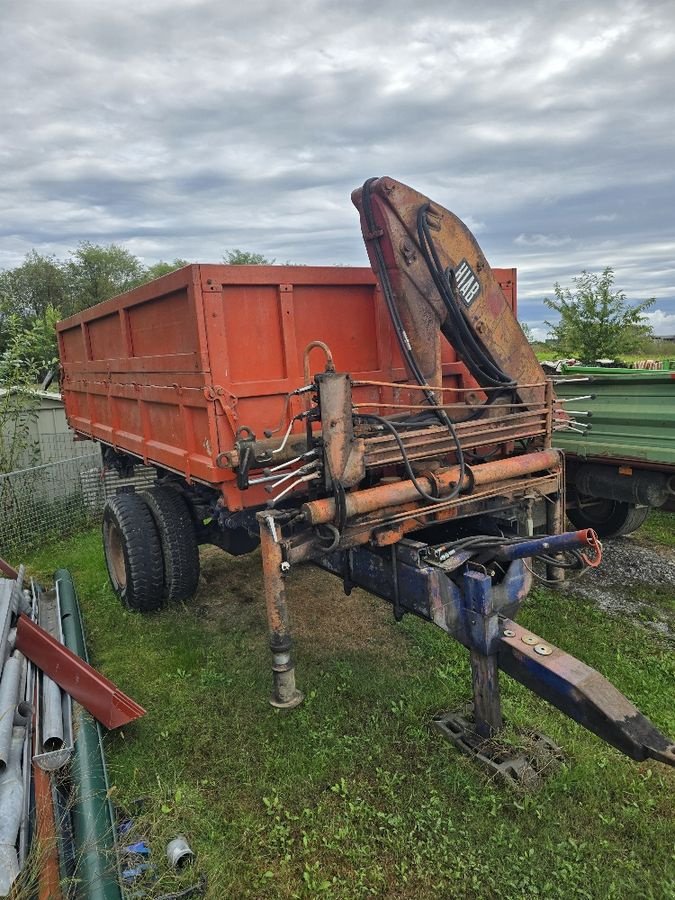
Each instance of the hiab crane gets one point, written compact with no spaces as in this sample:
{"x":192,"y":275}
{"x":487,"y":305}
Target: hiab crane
{"x":417,"y":463}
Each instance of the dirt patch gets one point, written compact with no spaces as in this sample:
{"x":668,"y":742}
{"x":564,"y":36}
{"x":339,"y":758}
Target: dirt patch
{"x":231,"y":596}
{"x":634,"y":580}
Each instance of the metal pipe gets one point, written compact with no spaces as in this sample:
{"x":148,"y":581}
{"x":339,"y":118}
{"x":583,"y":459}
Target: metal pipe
{"x":569,"y":540}
{"x":319,"y":345}
{"x":319,"y":512}
{"x":285,"y":695}
{"x":10,"y":685}
{"x":52,"y":715}
{"x":11,"y":807}
{"x":93,"y":820}
{"x":6,"y":591}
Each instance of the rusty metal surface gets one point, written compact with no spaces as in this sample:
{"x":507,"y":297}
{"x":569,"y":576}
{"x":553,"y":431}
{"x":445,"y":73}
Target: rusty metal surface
{"x":169,"y":371}
{"x":435,"y":441}
{"x":49,"y":879}
{"x":395,"y":209}
{"x":8,"y":570}
{"x":389,"y":495}
{"x":103,"y":699}
{"x":582,"y":693}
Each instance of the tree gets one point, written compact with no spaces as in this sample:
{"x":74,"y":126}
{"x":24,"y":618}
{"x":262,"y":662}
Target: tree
{"x":596,"y":321}
{"x":38,"y":283}
{"x":527,"y":331}
{"x":246,"y":258}
{"x":29,"y":291}
{"x":96,"y":272}
{"x":30,"y":350}
{"x":163,"y":268}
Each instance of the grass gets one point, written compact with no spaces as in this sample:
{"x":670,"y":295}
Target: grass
{"x":658,"y":350}
{"x":658,"y":529}
{"x":352,"y":795}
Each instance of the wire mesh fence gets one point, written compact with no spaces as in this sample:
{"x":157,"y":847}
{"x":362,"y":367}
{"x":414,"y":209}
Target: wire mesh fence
{"x":50,"y":500}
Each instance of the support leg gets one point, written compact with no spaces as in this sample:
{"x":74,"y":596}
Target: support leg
{"x":285,"y":695}
{"x":555,"y":524}
{"x":487,"y":707}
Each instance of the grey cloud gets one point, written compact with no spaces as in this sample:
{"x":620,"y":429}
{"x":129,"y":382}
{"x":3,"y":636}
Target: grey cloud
{"x":185,"y":128}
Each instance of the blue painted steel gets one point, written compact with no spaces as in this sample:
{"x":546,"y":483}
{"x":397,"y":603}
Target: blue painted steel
{"x":482,"y":621}
{"x":569,"y":540}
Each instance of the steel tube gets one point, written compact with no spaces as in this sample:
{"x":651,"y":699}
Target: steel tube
{"x":52,"y":715}
{"x":318,"y":512}
{"x":285,"y":695}
{"x":569,"y":540}
{"x":6,"y":592}
{"x":93,"y":821}
{"x":10,"y":685}
{"x":11,"y":808}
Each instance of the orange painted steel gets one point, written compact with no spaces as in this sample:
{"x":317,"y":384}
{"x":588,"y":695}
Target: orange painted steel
{"x":171,"y":370}
{"x":49,"y":879}
{"x":319,"y":512}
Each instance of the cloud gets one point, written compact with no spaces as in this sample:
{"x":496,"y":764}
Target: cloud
{"x":188,"y":127}
{"x":542,"y":240}
{"x":663,"y":323}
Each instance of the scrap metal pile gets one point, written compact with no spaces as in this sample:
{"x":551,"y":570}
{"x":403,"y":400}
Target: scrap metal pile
{"x":55,"y":813}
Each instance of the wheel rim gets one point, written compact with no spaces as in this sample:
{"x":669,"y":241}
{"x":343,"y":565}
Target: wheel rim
{"x":114,"y":553}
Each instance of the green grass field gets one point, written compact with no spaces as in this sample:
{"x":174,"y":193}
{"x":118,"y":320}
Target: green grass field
{"x":353,"y":795}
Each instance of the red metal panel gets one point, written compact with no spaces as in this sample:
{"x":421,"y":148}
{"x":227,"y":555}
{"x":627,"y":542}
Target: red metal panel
{"x":104,"y":700}
{"x":170,"y":370}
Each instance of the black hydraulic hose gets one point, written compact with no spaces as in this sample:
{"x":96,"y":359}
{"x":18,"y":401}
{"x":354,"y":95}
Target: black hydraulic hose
{"x":408,"y":468}
{"x":469,"y":348}
{"x":405,"y":345}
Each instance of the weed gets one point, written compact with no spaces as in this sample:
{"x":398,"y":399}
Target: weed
{"x":352,"y":795}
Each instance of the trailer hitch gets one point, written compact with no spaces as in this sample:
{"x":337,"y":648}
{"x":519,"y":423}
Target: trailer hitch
{"x":478,"y":612}
{"x":581,"y":693}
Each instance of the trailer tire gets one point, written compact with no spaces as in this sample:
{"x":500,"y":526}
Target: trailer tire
{"x":178,"y":540}
{"x":609,"y":518}
{"x":133,"y":553}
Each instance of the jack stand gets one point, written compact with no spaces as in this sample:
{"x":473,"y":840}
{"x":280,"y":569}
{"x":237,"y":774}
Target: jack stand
{"x":285,"y":695}
{"x":521,"y":768}
{"x":476,"y":731}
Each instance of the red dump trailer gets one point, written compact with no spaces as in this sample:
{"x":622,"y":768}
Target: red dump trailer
{"x":394,"y":429}
{"x":170,"y":372}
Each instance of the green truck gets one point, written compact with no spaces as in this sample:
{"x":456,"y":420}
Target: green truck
{"x":620,"y":448}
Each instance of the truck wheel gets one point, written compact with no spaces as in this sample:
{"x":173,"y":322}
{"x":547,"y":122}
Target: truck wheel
{"x":610,"y":518}
{"x":178,"y":540}
{"x":133,"y":553}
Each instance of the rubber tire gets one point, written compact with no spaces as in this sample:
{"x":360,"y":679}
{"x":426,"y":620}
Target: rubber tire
{"x":133,"y":553}
{"x":178,"y":540}
{"x":613,"y":520}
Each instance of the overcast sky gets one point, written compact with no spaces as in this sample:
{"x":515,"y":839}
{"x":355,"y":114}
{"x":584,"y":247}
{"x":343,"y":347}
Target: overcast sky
{"x":187,"y":128}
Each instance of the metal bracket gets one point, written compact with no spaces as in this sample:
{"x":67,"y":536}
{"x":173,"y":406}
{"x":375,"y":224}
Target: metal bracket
{"x":245,"y":447}
{"x":522,"y":769}
{"x":224,"y":399}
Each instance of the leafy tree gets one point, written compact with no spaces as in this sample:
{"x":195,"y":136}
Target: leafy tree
{"x":163,"y":268}
{"x":96,"y":272}
{"x":29,"y":289}
{"x":245,"y":258}
{"x":18,"y":399}
{"x":28,"y":292}
{"x":596,"y":321}
{"x":30,"y":349}
{"x":527,"y":331}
